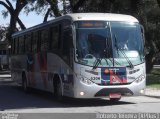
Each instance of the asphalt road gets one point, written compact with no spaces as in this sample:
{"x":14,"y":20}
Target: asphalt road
{"x":13,"y":99}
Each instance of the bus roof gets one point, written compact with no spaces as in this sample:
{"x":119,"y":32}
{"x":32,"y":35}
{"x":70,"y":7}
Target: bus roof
{"x":102,"y":16}
{"x":84,"y":16}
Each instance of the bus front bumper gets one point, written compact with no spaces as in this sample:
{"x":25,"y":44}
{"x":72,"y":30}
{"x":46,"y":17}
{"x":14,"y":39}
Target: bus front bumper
{"x":97,"y":91}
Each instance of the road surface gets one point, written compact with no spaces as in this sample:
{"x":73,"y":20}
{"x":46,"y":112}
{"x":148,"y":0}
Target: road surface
{"x":13,"y":99}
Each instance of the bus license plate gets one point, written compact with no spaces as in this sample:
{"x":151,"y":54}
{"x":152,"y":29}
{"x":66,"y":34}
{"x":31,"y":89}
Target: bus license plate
{"x":115,"y":95}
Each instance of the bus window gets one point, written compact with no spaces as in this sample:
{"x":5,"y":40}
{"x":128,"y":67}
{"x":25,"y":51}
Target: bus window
{"x":31,"y":40}
{"x":28,"y":43}
{"x":67,"y":43}
{"x":16,"y":45}
{"x":13,"y":46}
{"x":34,"y":41}
{"x":21,"y":44}
{"x":44,"y":40}
{"x":54,"y":42}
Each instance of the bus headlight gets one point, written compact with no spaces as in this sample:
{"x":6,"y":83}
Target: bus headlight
{"x":85,"y":80}
{"x":140,"y":78}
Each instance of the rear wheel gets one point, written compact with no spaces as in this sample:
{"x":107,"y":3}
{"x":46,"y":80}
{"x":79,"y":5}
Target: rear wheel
{"x":24,"y":84}
{"x":58,"y":90}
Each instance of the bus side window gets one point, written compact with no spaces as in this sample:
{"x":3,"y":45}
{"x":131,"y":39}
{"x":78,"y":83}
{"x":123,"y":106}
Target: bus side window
{"x":28,"y":43}
{"x":67,"y":43}
{"x":24,"y":44}
{"x":21,"y":45}
{"x":67,"y":37}
{"x":55,"y":38}
{"x":17,"y":45}
{"x":13,"y":46}
{"x":39,"y":42}
{"x":34,"y":41}
{"x":31,"y":40}
{"x":44,"y":40}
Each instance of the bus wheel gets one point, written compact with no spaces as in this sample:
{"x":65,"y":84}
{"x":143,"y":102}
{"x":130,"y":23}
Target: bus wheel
{"x":114,"y":99}
{"x":58,"y":91}
{"x":24,"y":84}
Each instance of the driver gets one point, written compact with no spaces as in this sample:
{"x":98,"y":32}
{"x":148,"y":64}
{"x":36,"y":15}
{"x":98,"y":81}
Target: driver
{"x":82,"y":46}
{"x":123,"y":44}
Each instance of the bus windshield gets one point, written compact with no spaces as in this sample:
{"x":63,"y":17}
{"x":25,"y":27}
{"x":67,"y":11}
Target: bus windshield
{"x":110,"y":43}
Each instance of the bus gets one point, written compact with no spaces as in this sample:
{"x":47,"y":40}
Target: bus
{"x":82,"y":55}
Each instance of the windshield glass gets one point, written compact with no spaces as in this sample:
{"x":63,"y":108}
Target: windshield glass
{"x":95,"y":40}
{"x":127,"y":40}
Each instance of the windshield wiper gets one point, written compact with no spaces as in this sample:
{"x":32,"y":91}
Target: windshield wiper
{"x":106,"y":53}
{"x":109,"y":54}
{"x":124,"y":54}
{"x":97,"y":62}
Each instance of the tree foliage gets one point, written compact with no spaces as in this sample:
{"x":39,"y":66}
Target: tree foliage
{"x":14,"y":15}
{"x":3,"y":32}
{"x":146,"y":11}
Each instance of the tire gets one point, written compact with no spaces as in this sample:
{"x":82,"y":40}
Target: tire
{"x":58,"y":91}
{"x":24,"y":84}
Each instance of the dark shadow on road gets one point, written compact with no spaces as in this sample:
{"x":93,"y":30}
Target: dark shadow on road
{"x":13,"y":97}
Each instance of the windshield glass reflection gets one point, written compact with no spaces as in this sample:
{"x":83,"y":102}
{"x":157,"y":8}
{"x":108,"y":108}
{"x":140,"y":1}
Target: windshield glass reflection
{"x":97,"y":40}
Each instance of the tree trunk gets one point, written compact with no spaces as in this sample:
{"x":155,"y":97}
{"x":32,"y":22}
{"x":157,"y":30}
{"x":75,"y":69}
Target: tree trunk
{"x":54,"y":7}
{"x":12,"y":28}
{"x":14,"y":13}
{"x":46,"y":15}
{"x":21,"y":24}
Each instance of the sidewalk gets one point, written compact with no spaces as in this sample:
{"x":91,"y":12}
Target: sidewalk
{"x":152,"y":92}
{"x":156,"y":66}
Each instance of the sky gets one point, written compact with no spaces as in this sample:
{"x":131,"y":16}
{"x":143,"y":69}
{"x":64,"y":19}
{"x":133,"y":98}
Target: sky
{"x":29,"y":20}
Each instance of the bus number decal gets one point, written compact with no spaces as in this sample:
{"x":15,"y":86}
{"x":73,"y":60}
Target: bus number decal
{"x":95,"y":78}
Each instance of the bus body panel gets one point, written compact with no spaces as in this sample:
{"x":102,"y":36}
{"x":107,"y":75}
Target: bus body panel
{"x":78,"y":81}
{"x":40,"y":73}
{"x":132,"y":89}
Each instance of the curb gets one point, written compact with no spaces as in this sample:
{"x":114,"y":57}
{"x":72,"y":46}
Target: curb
{"x":149,"y":92}
{"x":152,"y":96}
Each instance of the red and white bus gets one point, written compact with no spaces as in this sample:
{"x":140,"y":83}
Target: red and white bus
{"x":82,"y":55}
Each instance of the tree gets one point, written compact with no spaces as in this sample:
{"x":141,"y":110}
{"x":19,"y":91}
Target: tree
{"x":14,"y":13}
{"x":51,"y":7}
{"x":10,"y":9}
{"x":3,"y":32}
{"x":75,"y":5}
{"x":54,"y":7}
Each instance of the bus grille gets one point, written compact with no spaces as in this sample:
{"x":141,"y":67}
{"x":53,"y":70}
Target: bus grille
{"x":107,"y":91}
{"x":108,"y":84}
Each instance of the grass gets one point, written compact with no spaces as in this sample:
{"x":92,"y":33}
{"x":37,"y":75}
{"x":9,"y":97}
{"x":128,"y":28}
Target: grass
{"x":153,"y":79}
